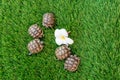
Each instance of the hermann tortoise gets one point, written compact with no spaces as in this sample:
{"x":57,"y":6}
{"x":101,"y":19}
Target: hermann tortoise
{"x":62,"y":52}
{"x":35,"y":31}
{"x":35,"y":46}
{"x":48,"y":20}
{"x":71,"y":63}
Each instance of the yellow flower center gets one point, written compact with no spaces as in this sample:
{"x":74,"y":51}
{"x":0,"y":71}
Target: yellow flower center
{"x":62,"y":37}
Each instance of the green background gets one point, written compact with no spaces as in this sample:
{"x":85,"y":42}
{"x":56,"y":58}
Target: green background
{"x":95,"y":29}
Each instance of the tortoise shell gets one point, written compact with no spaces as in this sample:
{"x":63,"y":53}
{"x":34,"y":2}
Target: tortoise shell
{"x":71,"y":63}
{"x":62,"y":52}
{"x":35,"y":46}
{"x":48,"y":20}
{"x":35,"y":31}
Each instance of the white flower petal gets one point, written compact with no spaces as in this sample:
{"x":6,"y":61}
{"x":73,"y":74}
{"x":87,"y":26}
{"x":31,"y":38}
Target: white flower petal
{"x":61,"y":32}
{"x":69,"y":41}
{"x":64,"y":32}
{"x":58,"y":41}
{"x":62,"y":37}
{"x":57,"y":33}
{"x":64,"y":41}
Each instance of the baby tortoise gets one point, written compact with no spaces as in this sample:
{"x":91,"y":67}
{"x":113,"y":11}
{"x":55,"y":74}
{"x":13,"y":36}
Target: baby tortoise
{"x":71,"y":63}
{"x":35,"y":46}
{"x":35,"y":31}
{"x":62,"y":52}
{"x":48,"y":20}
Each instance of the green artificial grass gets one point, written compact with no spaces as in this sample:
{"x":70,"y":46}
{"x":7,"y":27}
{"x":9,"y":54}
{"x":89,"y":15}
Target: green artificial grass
{"x":95,"y":29}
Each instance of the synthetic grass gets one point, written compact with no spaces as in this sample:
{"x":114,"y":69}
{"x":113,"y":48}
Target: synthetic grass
{"x":95,"y":29}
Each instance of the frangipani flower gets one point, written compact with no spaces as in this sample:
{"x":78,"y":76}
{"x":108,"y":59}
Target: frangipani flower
{"x":62,"y":37}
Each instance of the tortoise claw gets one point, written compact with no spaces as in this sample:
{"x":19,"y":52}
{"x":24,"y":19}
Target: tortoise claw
{"x":30,"y":54}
